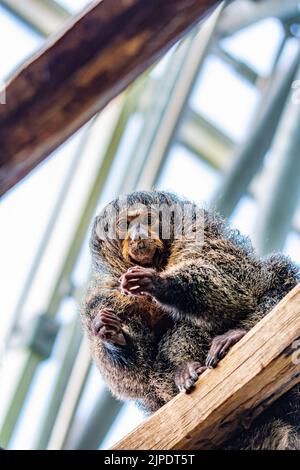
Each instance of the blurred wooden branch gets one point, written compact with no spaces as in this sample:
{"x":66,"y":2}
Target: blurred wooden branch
{"x":259,"y":369}
{"x":99,"y":54}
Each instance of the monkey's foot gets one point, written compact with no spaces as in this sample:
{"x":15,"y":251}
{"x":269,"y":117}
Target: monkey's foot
{"x":187,"y":375}
{"x":140,"y":281}
{"x":107,"y":326}
{"x":221,"y":345}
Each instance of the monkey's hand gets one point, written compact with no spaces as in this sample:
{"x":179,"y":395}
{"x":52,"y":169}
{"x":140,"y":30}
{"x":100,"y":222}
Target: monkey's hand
{"x":107,"y":326}
{"x":221,"y":345}
{"x":141,"y":281}
{"x":187,"y":375}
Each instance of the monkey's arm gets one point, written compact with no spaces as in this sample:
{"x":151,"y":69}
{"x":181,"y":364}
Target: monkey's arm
{"x":198,"y":288}
{"x":280,"y":277}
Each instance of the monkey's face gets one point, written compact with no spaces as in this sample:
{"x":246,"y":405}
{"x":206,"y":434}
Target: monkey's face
{"x":139,"y":232}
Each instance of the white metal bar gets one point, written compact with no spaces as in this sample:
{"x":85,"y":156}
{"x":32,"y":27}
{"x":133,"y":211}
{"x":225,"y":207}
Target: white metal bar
{"x":46,"y":16}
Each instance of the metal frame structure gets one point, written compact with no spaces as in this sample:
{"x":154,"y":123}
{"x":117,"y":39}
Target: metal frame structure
{"x":167,"y":118}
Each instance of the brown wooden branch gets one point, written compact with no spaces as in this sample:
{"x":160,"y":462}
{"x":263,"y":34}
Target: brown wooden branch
{"x":258,"y":370}
{"x":79,"y":72}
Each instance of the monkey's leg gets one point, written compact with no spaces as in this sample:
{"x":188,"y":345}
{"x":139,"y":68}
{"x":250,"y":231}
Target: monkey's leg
{"x":180,"y":360}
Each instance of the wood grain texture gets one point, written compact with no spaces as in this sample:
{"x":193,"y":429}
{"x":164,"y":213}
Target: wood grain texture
{"x":257,"y":371}
{"x":78,"y":73}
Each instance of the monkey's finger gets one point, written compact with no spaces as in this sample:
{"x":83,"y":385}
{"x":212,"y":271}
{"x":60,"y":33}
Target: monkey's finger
{"x":192,"y":366}
{"x":216,"y":346}
{"x":189,"y":384}
{"x":200,"y":370}
{"x":110,"y":324}
{"x":107,"y":317}
{"x":211,"y":361}
{"x":137,"y":275}
{"x":107,"y":314}
{"x":184,"y":384}
{"x":224,"y":350}
{"x":194,"y":375}
{"x":108,"y":310}
{"x":208,"y":360}
{"x":138,"y":268}
{"x":133,"y":288}
{"x":104,"y":321}
{"x":136,"y":291}
{"x":146,"y":283}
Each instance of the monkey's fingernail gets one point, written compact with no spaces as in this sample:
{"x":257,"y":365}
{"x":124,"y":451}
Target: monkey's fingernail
{"x":134,"y":288}
{"x":210,"y":362}
{"x":189,"y":384}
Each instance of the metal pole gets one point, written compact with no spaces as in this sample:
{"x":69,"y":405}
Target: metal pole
{"x":32,"y":360}
{"x":168,"y":123}
{"x":98,"y":423}
{"x":62,"y":380}
{"x":249,"y":159}
{"x":280,"y":198}
{"x":74,"y":391}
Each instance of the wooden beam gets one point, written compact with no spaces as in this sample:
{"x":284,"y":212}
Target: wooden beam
{"x":259,"y":369}
{"x":99,"y":54}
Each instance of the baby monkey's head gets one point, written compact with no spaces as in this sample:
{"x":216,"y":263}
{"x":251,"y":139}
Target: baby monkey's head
{"x":138,"y":232}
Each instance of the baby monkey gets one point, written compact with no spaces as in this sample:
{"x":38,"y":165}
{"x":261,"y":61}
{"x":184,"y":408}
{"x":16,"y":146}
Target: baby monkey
{"x":173,"y":289}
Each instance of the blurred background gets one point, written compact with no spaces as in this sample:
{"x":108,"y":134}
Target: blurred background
{"x":217,"y":120}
